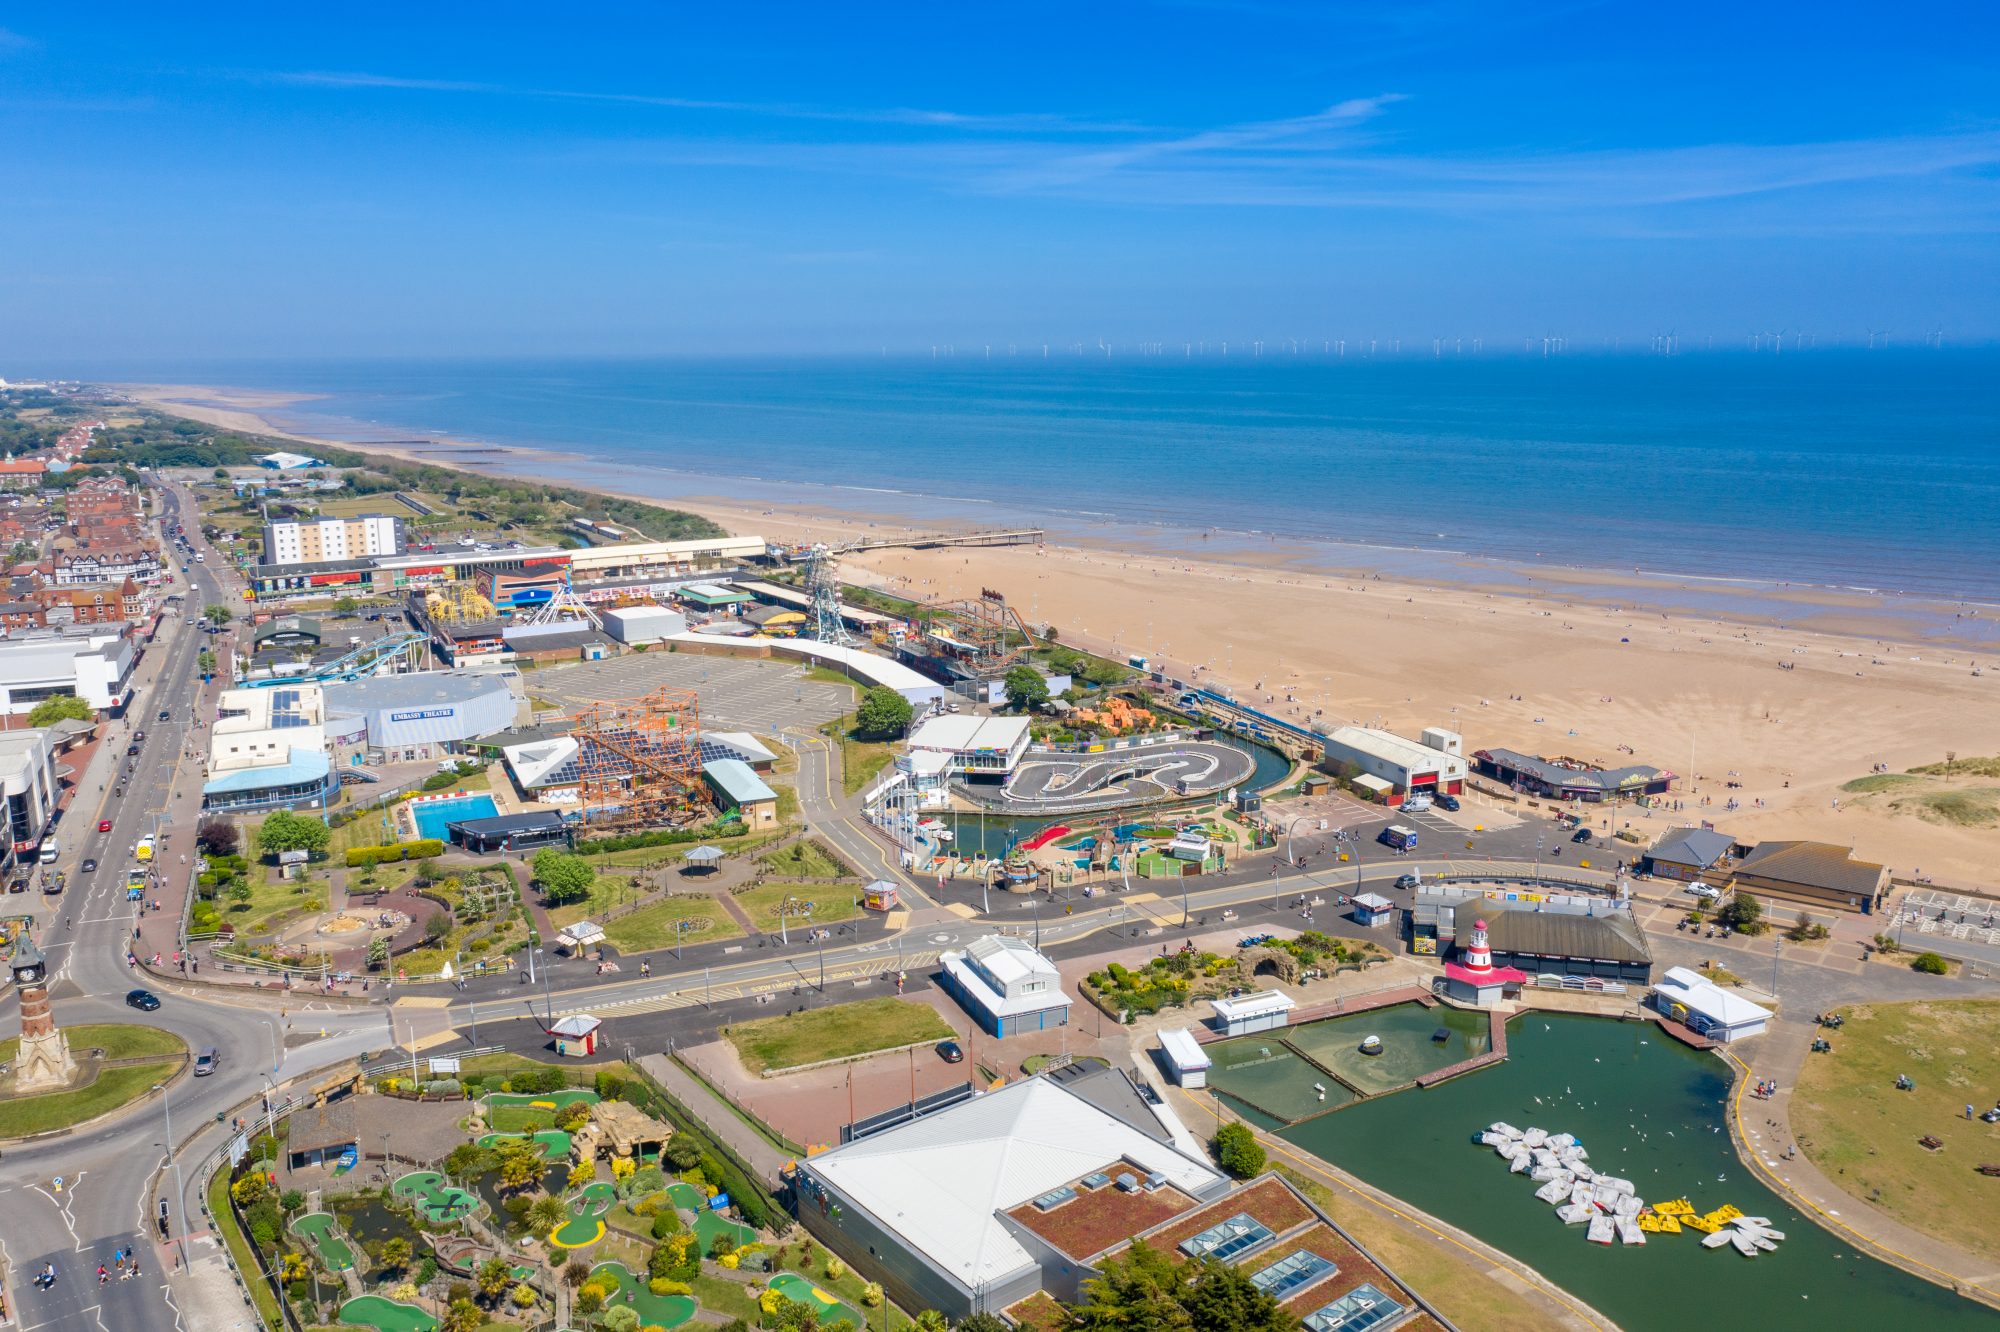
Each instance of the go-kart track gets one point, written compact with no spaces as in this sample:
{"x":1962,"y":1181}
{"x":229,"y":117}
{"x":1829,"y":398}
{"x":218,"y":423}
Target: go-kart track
{"x":1054,"y":782}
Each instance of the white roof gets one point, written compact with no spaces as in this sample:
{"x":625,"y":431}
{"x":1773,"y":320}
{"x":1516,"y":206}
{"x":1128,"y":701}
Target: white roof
{"x":929,"y":763}
{"x":576,"y":1024}
{"x":1183,"y":1049}
{"x":1701,"y":995}
{"x":1392,"y":748}
{"x":870,"y":667}
{"x":1370,"y":781}
{"x":533,"y":762}
{"x":581,"y":931}
{"x":1261,"y":1004}
{"x":644,"y":613}
{"x":959,"y":733}
{"x":1009,"y":959}
{"x":1373,"y":902}
{"x":938,"y":1183}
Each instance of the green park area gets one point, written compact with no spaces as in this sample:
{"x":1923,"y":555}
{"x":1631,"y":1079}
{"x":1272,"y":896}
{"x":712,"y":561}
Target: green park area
{"x":651,"y":928}
{"x":104,"y":1089}
{"x":800,"y":1290}
{"x":1864,"y":1134}
{"x":806,"y":904}
{"x":622,"y":1287}
{"x":840,"y":1032}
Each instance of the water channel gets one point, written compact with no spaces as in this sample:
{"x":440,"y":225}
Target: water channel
{"x":1648,"y":1109}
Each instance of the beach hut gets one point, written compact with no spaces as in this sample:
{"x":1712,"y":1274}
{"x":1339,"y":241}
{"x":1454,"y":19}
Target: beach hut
{"x":1373,"y":909}
{"x":576,"y":1035}
{"x":881,"y":895}
{"x":1260,"y":1010}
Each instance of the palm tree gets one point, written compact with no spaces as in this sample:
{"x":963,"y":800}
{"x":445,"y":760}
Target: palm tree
{"x":546,"y":1214}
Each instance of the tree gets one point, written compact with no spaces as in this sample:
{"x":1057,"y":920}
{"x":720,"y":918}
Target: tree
{"x":286,"y":831}
{"x":930,"y":1320}
{"x":204,"y":662}
{"x":493,"y":1278}
{"x":589,"y":1298}
{"x":520,"y":1162}
{"x":436,"y":926}
{"x":884,"y":714}
{"x":345,"y":606}
{"x":1238,"y":1151}
{"x":1930,"y":964}
{"x":217,"y":614}
{"x":462,"y":1316}
{"x":574,"y":1272}
{"x":1145,"y":1288}
{"x":217,"y":837}
{"x":982,"y":1322}
{"x":1026,"y":689}
{"x":1744,"y":914}
{"x":547,"y":1214}
{"x":61,"y":707}
{"x":683,"y":1152}
{"x":1051,"y":635}
{"x":395,"y":1254}
{"x":378,"y":952}
{"x":564,"y":878}
{"x":621,"y":1318}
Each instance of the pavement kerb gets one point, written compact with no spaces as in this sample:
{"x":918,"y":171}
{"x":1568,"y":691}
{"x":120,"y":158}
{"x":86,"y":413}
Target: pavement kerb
{"x":1970,"y":1289}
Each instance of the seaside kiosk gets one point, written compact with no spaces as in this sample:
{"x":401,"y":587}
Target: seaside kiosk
{"x":576,"y":1035}
{"x":1373,"y":909}
{"x":1260,"y":1010}
{"x":1186,"y":1061}
{"x":881,"y":895}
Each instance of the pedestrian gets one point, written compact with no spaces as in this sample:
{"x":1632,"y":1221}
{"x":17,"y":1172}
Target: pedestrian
{"x":103,"y":1275}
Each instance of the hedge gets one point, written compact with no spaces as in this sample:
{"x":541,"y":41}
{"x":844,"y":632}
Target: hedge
{"x":598,"y":846}
{"x":423,"y":849}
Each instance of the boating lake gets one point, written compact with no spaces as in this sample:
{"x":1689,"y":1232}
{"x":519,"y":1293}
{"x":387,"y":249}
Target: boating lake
{"x":1650,"y":1110}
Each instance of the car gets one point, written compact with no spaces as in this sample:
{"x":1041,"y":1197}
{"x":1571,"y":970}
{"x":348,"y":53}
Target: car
{"x":166,"y":714}
{"x":1702,"y":890}
{"x":205,"y":1062}
{"x":89,"y":865}
{"x":1417,"y":804}
{"x":1581,"y":835}
{"x":950,"y":1053}
{"x":1449,"y":802}
{"x":131,"y":751}
{"x":143,"y":1000}
{"x":1407,"y":881}
{"x":139,"y":736}
{"x":104,"y":825}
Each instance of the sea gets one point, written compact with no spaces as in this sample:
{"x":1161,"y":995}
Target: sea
{"x":1872,"y":473}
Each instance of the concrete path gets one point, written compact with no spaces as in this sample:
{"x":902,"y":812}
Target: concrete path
{"x":207,"y":1293}
{"x":718,"y":1118}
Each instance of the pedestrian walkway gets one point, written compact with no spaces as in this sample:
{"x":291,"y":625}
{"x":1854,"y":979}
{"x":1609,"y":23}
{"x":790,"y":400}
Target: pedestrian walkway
{"x":717,"y":1117}
{"x":207,"y":1293}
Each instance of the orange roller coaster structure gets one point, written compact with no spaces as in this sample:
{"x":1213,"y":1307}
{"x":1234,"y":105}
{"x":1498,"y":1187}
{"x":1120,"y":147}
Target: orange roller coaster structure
{"x":639,"y":760}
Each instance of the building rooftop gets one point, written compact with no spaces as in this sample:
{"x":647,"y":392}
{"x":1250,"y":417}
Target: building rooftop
{"x":1814,"y":865}
{"x":318,"y":1127}
{"x":1261,"y":1003}
{"x":1611,"y":934}
{"x":1552,"y":773}
{"x":415,"y":689}
{"x":967,"y":733}
{"x":1095,"y":1217}
{"x":1698,"y":993}
{"x":1394,"y":748}
{"x":305,"y":765}
{"x":1700,"y":847}
{"x":999,"y":1151}
{"x":734,"y":779}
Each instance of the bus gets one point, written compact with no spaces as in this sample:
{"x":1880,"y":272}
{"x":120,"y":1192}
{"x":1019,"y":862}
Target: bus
{"x":50,"y":849}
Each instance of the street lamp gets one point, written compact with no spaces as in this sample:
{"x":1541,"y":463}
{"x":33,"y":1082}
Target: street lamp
{"x":180,"y":1188}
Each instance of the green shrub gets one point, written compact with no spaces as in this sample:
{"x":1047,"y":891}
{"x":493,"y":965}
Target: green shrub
{"x":1930,"y":964}
{"x":422,"y":849}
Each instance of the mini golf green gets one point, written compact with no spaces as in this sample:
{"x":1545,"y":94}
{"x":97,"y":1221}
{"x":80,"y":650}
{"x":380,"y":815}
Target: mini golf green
{"x":683,"y":1194}
{"x":663,"y":1310}
{"x":585,"y":1225}
{"x":386,"y":1315}
{"x":554,"y":1142}
{"x":707,"y":1225}
{"x":323,"y":1237}
{"x":518,"y":1112}
{"x":437,"y":1200}
{"x":802,"y":1291}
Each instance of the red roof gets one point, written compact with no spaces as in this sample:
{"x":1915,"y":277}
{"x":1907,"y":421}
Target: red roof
{"x":1491,"y":976}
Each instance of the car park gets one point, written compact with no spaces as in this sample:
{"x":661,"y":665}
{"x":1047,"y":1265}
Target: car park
{"x":143,"y":1000}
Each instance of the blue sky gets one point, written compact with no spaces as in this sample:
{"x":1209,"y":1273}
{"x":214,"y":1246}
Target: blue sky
{"x":358,"y":179}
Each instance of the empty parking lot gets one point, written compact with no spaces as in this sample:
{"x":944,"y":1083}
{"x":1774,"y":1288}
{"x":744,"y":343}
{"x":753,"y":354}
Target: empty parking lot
{"x":761,"y":696}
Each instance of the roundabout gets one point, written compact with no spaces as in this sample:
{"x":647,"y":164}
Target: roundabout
{"x":115,"y":1065}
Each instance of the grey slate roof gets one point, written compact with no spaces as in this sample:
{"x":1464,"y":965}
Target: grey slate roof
{"x":1699,"y":847}
{"x":1613,"y":936}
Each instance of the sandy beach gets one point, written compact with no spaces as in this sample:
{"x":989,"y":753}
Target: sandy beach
{"x":1791,"y":711}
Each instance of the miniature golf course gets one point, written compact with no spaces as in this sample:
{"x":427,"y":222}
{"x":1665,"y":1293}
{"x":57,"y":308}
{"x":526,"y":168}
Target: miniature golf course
{"x":685,"y":1195}
{"x":322,"y":1236}
{"x":437,"y":1200}
{"x":518,"y":1112}
{"x":707,"y":1225}
{"x":586,"y":1212}
{"x":385,"y":1315}
{"x":664,"y":1310}
{"x":802,"y":1291}
{"x":553,"y":1142}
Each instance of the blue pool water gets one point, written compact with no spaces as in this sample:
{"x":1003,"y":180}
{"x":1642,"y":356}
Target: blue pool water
{"x":432,"y":815}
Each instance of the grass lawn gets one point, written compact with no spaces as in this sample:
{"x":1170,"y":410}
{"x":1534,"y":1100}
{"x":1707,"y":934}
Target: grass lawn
{"x":830,"y":902}
{"x":1964,"y":807}
{"x":269,"y":902}
{"x":608,"y":890}
{"x":239,"y":1249}
{"x":861,"y":761}
{"x":835,"y":1033}
{"x":652,"y":927}
{"x":1862,"y":1133}
{"x":726,"y":1297}
{"x":639,"y":857}
{"x":805,"y":859}
{"x":111,"y":1088}
{"x":116,"y":1039}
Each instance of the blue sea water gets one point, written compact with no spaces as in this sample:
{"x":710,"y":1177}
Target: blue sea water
{"x":1842,"y":469}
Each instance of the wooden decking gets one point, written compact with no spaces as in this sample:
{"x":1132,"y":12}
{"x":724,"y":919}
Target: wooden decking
{"x":1686,"y":1035}
{"x":1496,"y":1051}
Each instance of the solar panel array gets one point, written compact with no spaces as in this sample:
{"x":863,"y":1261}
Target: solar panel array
{"x":1357,"y":1310}
{"x":1289,"y":1275}
{"x":1239,"y":1234}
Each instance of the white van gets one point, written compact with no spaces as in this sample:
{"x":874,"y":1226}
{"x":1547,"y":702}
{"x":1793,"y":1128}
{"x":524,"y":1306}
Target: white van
{"x":1416,"y":804}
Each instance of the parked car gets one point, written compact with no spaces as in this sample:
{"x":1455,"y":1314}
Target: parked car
{"x":950,"y":1053}
{"x":1417,"y":804}
{"x":143,"y":1000}
{"x":1407,"y":881}
{"x":1702,"y":890}
{"x":1449,"y":802}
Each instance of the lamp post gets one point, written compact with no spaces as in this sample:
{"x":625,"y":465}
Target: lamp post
{"x":180,"y":1188}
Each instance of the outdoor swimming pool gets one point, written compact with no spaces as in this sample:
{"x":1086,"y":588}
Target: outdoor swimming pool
{"x":433,"y":815}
